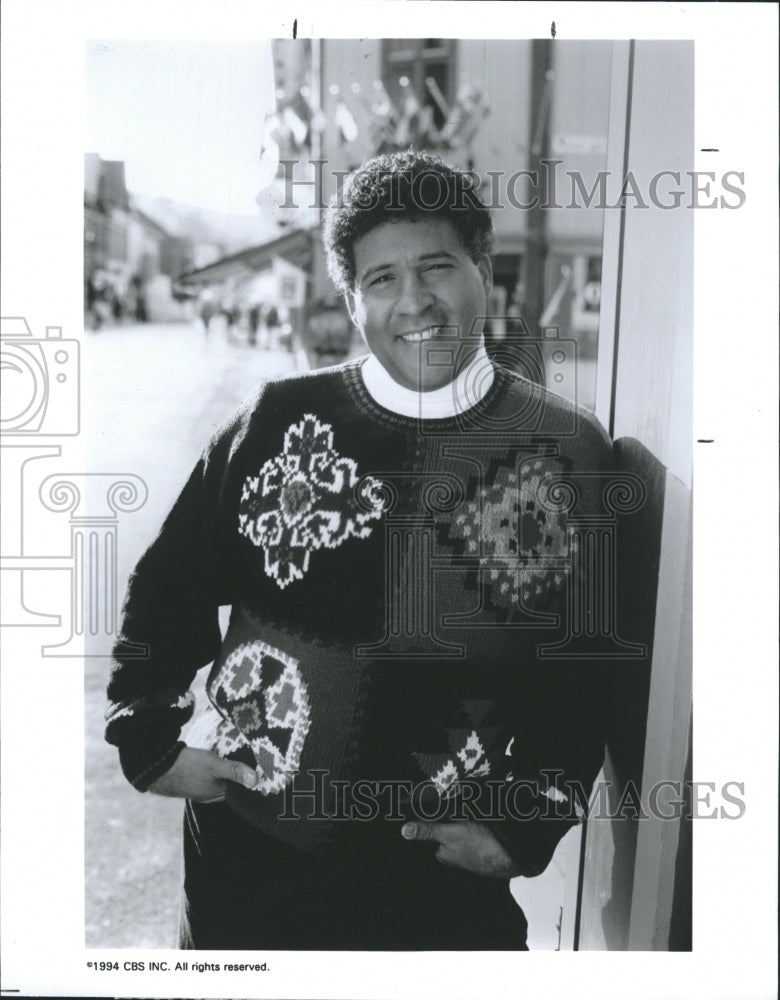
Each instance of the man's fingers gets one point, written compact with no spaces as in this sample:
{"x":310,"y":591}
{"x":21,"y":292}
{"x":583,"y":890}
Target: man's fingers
{"x":234,"y":770}
{"x":468,"y":845}
{"x":444,"y":858}
{"x":201,"y":776}
{"x":421,"y":830}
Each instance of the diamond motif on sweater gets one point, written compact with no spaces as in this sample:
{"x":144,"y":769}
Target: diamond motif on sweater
{"x":283,"y":700}
{"x":227,"y":738}
{"x":265,"y":706}
{"x":471,"y":752}
{"x":239,"y":677}
{"x":307,"y":497}
{"x":473,"y":741}
{"x":473,"y":764}
{"x":445,"y":778}
{"x":506,"y":528}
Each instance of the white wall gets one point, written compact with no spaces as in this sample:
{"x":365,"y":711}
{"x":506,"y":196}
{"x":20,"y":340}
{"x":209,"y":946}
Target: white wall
{"x":645,"y":392}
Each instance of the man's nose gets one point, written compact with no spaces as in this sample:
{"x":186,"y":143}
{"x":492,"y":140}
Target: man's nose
{"x":415,"y":296}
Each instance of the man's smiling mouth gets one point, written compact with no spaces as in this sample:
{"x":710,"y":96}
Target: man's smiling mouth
{"x":417,"y":336}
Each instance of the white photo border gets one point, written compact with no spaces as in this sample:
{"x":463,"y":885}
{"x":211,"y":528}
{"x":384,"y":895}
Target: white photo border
{"x":735,"y":585}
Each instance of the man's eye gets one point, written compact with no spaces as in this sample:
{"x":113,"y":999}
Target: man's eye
{"x":381,"y":280}
{"x":441,"y":265}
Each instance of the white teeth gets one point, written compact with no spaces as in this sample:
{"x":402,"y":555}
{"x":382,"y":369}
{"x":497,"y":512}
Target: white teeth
{"x":416,"y":338}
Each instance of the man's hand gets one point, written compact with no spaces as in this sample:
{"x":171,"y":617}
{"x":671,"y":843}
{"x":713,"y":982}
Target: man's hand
{"x":202,"y":776}
{"x":468,"y":845}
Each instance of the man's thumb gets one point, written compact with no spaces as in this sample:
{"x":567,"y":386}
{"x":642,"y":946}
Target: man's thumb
{"x":419,"y":831}
{"x":240,"y":773}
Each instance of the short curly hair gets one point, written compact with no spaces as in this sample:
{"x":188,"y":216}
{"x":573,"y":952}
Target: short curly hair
{"x":408,"y":185}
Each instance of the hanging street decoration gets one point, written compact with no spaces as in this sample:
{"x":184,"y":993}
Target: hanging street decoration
{"x":372,"y":122}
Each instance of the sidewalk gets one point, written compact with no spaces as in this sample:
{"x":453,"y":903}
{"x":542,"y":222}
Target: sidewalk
{"x":152,"y":396}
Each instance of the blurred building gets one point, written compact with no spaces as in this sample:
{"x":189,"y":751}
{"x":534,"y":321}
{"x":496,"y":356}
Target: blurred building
{"x":508,"y":110}
{"x":106,"y":213}
{"x":127,"y":250}
{"x":500,"y":108}
{"x":119,"y":235}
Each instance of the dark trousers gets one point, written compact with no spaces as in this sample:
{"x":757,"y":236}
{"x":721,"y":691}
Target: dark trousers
{"x":246,"y":890}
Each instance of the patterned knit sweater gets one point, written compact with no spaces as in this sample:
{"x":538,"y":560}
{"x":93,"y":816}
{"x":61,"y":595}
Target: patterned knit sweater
{"x":396,"y":585}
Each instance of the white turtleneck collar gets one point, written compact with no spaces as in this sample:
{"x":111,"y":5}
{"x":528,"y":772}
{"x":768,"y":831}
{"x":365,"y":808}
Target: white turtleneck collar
{"x":471,"y":385}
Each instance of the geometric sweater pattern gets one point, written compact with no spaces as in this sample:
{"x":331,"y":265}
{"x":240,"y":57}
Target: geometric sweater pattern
{"x":390,"y":581}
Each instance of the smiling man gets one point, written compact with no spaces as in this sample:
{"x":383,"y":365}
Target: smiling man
{"x":416,"y":284}
{"x":391,"y":538}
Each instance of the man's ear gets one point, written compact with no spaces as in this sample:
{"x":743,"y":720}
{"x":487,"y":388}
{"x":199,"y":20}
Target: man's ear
{"x":351,"y":303}
{"x":485,"y":268}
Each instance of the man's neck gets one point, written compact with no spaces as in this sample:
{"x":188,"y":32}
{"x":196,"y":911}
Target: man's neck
{"x":468,"y":388}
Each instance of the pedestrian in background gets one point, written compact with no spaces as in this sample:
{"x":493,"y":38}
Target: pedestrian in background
{"x":139,"y":291}
{"x":254,"y":322}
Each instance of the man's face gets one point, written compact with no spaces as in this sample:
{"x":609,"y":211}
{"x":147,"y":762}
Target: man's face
{"x":416,"y":288}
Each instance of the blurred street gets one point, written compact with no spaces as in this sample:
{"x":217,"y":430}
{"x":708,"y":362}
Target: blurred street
{"x":152,"y":395}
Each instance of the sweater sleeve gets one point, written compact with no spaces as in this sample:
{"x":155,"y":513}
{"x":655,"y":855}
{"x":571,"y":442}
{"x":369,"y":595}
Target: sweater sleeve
{"x":553,"y":760}
{"x":562,"y":720}
{"x":170,"y":625}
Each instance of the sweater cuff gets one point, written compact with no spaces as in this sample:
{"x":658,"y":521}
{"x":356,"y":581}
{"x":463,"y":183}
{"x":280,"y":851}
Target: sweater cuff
{"x":141,"y":775}
{"x":147,"y":732}
{"x":531,"y":843}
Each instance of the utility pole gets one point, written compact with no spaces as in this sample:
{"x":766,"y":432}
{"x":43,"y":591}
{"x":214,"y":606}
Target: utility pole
{"x":542,"y":81}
